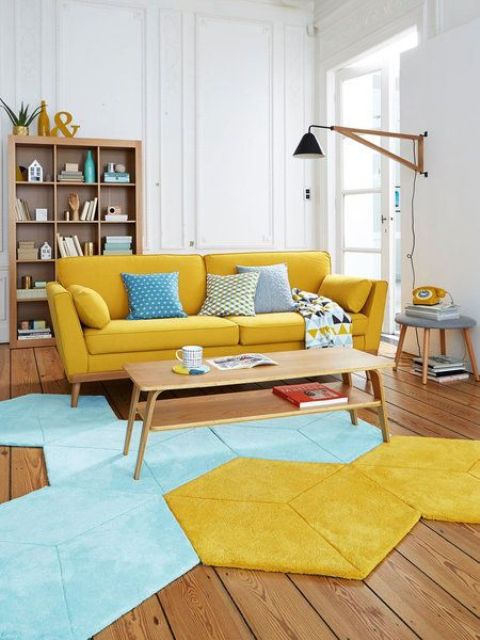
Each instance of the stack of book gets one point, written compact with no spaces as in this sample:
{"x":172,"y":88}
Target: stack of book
{"x":118,"y":246}
{"x":312,"y":394}
{"x":116,"y":176}
{"x":89,"y":210}
{"x":71,"y":173}
{"x":27,"y":250}
{"x":116,"y":217}
{"x":32,"y":294}
{"x":37,"y":330}
{"x":436,"y":312}
{"x":22,"y":211}
{"x":442,"y":369}
{"x":69,"y":246}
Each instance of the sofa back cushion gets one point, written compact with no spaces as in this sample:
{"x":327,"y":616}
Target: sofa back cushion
{"x":102,"y":273}
{"x":306,"y":269}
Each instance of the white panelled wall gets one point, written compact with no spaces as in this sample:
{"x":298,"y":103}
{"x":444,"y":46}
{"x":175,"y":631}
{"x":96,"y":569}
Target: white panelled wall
{"x":219,"y":92}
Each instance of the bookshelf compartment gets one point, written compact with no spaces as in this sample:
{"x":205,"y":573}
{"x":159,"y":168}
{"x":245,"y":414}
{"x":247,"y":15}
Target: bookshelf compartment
{"x":39,"y":270}
{"x":37,"y":196}
{"x":86,"y":232}
{"x":117,"y":196}
{"x":38,"y":233}
{"x":117,"y":155}
{"x":78,"y":154}
{"x":84,"y":191}
{"x":26,"y":154}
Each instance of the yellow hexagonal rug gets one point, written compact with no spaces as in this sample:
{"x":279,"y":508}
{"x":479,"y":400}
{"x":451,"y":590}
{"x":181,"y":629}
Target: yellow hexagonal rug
{"x":329,"y":519}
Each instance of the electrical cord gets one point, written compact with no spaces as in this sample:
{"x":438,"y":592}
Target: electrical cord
{"x":411,"y":254}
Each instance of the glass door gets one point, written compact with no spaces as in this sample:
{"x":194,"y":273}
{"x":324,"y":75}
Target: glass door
{"x":365,"y":222}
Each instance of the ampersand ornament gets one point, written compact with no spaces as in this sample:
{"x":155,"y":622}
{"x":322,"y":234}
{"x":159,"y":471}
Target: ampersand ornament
{"x":62,"y":120}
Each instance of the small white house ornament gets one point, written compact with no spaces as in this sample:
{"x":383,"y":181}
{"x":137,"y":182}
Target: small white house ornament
{"x":45,"y":251}
{"x":35,"y":172}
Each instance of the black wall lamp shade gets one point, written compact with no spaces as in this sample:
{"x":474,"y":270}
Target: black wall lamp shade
{"x":309,"y":147}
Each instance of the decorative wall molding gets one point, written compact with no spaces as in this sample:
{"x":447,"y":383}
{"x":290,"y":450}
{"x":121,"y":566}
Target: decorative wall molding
{"x":296,"y":231}
{"x":171,"y":79}
{"x":205,"y":216}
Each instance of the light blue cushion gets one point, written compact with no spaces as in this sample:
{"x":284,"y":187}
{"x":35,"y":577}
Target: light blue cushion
{"x":153,"y":295}
{"x":274,"y":293}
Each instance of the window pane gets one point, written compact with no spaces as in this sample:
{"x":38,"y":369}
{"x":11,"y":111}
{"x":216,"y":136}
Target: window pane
{"x":361,"y":166}
{"x":362,"y":223}
{"x":366,"y":265}
{"x":362,"y":101}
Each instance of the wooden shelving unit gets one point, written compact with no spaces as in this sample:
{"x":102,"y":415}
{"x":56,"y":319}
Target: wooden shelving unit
{"x":52,"y":154}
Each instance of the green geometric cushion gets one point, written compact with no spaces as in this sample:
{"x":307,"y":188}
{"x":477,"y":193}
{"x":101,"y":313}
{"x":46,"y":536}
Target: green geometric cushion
{"x":230,"y":295}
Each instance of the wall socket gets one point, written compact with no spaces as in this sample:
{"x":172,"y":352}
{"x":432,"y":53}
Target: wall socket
{"x":306,"y":194}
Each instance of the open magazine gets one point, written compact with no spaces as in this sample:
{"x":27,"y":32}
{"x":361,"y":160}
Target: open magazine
{"x":242,"y":361}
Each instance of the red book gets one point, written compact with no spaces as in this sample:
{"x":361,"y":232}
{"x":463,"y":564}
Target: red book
{"x":312,"y":394}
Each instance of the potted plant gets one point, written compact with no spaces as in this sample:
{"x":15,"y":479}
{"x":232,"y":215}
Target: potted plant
{"x":22,"y":120}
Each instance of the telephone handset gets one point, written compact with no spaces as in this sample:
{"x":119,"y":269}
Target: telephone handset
{"x":428,"y":295}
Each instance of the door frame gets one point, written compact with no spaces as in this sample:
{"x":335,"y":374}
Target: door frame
{"x":386,"y":189}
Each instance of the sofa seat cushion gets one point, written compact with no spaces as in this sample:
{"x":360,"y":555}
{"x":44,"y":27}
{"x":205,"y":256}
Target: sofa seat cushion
{"x":122,"y":336}
{"x":270,"y":328}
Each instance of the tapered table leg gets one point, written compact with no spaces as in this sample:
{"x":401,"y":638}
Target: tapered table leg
{"x":347,"y":379}
{"x":131,"y":417}
{"x":379,"y":394}
{"x":425,"y":355}
{"x":443,"y":342}
{"x":147,"y":421}
{"x":471,"y":353}
{"x":401,"y":340}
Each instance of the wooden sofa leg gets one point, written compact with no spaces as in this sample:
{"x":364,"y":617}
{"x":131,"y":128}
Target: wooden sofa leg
{"x":75,"y":393}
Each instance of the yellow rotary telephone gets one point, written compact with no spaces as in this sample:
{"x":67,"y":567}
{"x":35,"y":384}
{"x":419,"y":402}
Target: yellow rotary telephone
{"x":428,"y":295}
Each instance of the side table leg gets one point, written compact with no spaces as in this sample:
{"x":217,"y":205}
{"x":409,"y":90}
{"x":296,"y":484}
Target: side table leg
{"x":471,"y":354}
{"x":131,"y":417}
{"x":401,"y":340}
{"x":443,"y":342}
{"x":147,"y":420}
{"x":379,"y":394}
{"x":347,"y":379}
{"x":426,"y":349}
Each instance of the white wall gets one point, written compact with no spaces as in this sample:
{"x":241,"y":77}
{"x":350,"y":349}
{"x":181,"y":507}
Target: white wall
{"x":218,"y":90}
{"x":440,"y":92}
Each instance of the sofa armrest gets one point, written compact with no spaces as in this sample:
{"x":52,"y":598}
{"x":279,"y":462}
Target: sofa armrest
{"x":68,"y":330}
{"x":374,"y":309}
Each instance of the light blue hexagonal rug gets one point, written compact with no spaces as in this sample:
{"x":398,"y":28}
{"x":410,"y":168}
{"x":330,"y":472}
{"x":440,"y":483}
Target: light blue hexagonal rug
{"x":77,"y":555}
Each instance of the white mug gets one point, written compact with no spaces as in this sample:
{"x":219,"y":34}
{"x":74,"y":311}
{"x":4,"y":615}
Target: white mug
{"x":190,"y":356}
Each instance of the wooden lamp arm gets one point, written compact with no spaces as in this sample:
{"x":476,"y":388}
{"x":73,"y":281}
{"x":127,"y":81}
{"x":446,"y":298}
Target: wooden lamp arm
{"x":356,"y":134}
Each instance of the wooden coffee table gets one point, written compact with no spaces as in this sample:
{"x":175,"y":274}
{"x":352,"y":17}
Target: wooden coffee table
{"x":155,"y":378}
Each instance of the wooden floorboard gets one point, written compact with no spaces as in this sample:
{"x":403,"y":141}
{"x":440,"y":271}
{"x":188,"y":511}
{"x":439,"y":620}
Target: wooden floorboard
{"x":28,"y":472}
{"x":352,"y":609}
{"x":428,"y":588}
{"x":198,"y":606}
{"x":273,"y":607}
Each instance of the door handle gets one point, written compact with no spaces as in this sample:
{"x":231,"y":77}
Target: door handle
{"x":383,"y":218}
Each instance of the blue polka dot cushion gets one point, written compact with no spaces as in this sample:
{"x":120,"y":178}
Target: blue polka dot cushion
{"x":153,"y":295}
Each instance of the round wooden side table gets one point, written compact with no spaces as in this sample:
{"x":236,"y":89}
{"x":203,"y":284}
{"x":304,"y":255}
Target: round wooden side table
{"x":464,"y":324}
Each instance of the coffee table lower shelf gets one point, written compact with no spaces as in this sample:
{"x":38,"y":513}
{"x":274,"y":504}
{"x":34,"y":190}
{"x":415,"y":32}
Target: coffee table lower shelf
{"x":220,"y":408}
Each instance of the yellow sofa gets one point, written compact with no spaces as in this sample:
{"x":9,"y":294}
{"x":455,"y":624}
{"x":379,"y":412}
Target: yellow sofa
{"x":99,"y":354}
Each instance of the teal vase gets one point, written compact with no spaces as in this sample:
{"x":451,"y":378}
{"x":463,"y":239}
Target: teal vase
{"x":89,"y":168}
